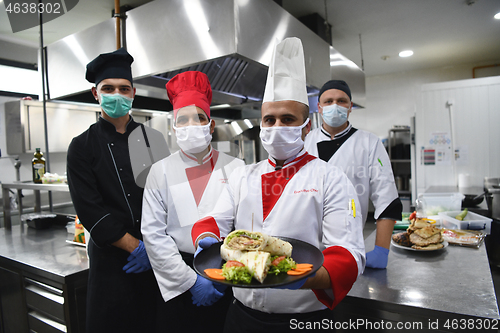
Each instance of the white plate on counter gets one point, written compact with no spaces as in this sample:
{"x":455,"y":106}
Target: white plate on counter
{"x":445,"y":245}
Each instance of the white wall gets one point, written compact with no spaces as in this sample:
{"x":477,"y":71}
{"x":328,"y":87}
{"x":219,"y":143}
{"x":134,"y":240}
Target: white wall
{"x":394,"y":98}
{"x":475,"y":106}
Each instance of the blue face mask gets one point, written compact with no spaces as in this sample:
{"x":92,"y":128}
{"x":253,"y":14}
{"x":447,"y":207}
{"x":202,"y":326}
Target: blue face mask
{"x":334,"y":115}
{"x":116,"y":105}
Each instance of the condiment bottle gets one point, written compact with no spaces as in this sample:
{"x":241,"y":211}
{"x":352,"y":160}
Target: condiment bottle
{"x":38,"y":166}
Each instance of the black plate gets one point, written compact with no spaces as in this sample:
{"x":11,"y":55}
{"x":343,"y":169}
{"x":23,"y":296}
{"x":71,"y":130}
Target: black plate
{"x":302,"y":253}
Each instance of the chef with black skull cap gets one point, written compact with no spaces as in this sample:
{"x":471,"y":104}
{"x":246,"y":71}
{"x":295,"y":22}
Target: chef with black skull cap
{"x":121,"y":287}
{"x":363,"y":158}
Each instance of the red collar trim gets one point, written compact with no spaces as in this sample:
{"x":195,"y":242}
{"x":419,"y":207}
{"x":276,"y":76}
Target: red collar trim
{"x":300,"y":156}
{"x":274,"y":183}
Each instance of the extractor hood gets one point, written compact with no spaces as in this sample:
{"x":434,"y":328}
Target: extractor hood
{"x":229,"y":40}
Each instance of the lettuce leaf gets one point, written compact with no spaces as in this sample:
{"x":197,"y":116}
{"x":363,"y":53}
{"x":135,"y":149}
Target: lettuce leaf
{"x":284,"y":265}
{"x":236,"y":274}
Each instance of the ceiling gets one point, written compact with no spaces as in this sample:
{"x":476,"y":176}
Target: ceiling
{"x":369,"y":32}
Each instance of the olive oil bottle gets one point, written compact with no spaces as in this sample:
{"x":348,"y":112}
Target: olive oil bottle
{"x":38,"y":165}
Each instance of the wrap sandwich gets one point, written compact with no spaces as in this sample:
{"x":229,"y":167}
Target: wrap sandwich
{"x":256,"y":262}
{"x":278,"y":247}
{"x":245,"y":240}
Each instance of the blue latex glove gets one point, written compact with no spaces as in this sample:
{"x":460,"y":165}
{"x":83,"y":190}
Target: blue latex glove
{"x":296,"y":285}
{"x":204,"y":292}
{"x":220,"y":287}
{"x":138,"y":260}
{"x":377,"y":258}
{"x":204,"y":244}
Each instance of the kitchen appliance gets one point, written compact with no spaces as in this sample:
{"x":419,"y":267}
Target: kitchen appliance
{"x":492,"y":189}
{"x":472,"y":200}
{"x":229,"y":40}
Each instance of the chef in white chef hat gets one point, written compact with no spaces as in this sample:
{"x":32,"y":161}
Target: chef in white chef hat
{"x":285,"y":108}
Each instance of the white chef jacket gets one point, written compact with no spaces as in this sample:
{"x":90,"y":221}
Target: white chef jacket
{"x":175,"y":197}
{"x":307,"y":200}
{"x":364,"y":160}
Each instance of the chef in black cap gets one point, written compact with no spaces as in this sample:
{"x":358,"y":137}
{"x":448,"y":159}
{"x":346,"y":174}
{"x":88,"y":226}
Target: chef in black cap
{"x":363,"y":158}
{"x":121,"y":288}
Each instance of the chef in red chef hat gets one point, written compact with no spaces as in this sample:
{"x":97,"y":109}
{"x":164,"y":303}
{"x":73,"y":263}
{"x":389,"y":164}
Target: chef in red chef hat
{"x":181,"y":189}
{"x":191,"y":95}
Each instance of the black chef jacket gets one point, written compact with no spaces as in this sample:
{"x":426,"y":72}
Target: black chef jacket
{"x":102,"y":186}
{"x":109,"y":203}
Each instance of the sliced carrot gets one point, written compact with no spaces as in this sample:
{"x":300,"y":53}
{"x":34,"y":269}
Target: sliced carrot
{"x":301,"y":266}
{"x":214,"y":273}
{"x":297,"y":272}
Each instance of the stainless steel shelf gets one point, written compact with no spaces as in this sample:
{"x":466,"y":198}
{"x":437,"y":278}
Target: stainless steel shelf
{"x":26,"y":185}
{"x":29,"y":185}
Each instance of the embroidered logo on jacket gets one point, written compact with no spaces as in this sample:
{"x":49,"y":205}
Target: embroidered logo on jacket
{"x":305,"y":191}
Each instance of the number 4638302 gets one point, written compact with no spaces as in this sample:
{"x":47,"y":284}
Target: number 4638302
{"x":471,"y":324}
{"x":33,"y":8}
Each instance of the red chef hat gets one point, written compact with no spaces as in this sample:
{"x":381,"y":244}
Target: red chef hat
{"x":190,"y":88}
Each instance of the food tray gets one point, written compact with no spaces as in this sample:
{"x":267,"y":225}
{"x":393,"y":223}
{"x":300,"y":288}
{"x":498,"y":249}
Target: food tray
{"x":468,"y":238}
{"x":434,"y":203}
{"x":472,"y":221}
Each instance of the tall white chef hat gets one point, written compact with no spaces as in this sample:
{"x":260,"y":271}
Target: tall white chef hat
{"x":286,"y":78}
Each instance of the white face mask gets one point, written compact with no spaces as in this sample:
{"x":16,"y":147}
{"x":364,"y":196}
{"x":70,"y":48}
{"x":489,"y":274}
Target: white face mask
{"x":282,"y":142}
{"x":193,"y":139}
{"x":334,"y":115}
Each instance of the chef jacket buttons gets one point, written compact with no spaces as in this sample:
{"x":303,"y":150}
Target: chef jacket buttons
{"x":111,"y":144}
{"x":128,"y":194}
{"x":121,"y":169}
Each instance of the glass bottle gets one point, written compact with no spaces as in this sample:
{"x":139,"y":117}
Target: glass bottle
{"x":38,"y":165}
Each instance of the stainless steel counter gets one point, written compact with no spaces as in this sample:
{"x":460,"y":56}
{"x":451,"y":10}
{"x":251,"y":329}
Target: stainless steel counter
{"x":44,"y":252}
{"x":43,"y":281}
{"x":454,"y":282}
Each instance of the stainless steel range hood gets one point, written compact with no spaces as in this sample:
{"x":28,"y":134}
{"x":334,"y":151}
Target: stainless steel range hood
{"x":229,"y":40}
